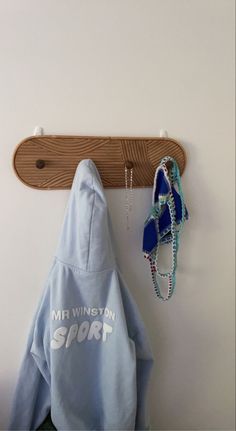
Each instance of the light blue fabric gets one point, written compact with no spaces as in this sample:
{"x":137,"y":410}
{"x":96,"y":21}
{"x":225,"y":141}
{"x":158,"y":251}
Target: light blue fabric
{"x":88,"y":358}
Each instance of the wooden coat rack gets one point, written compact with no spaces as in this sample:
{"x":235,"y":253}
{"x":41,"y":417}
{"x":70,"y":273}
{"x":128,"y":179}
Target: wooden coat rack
{"x":48,"y":162}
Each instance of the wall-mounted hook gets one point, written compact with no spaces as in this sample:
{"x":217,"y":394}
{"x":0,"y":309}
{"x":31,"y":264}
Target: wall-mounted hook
{"x":38,"y":131}
{"x":49,"y":161}
{"x":163,"y":133}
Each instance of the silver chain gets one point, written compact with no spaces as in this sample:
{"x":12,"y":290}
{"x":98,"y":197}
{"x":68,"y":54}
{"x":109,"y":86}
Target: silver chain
{"x":128,"y":195}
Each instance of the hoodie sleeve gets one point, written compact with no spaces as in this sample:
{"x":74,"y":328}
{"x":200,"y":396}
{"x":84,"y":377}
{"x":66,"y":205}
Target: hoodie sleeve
{"x":143,"y":366}
{"x":144,"y":355}
{"x":31,"y":402}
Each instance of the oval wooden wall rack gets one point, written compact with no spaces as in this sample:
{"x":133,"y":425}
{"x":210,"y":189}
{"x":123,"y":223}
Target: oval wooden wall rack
{"x":48,"y":162}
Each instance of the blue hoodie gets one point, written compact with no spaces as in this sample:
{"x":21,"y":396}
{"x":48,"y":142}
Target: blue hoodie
{"x":88,"y":358}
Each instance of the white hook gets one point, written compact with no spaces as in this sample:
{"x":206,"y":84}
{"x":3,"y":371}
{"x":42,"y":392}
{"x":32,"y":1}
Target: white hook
{"x":38,"y":130}
{"x":163,"y":133}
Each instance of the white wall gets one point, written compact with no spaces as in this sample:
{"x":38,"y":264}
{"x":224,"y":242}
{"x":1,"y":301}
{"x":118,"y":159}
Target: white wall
{"x":128,"y":68}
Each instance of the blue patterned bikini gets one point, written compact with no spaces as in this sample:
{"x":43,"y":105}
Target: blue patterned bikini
{"x":165,"y":222}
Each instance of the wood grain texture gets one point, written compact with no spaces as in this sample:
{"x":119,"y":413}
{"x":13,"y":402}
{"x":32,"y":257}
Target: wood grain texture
{"x":62,"y":154}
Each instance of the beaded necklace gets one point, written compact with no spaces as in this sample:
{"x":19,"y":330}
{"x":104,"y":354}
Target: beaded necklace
{"x":164,"y":223}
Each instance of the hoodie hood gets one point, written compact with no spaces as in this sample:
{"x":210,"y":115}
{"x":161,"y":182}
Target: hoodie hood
{"x":85,"y":240}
